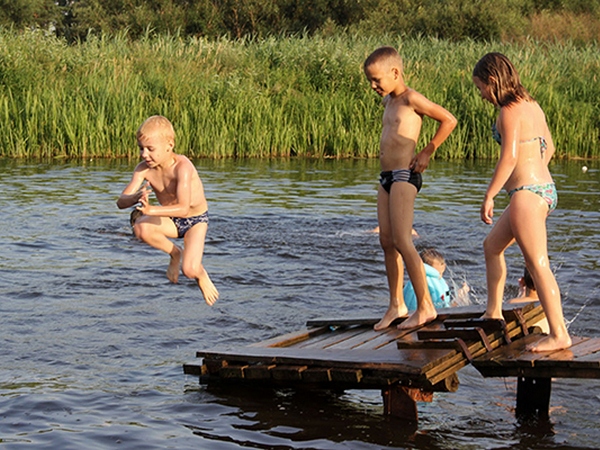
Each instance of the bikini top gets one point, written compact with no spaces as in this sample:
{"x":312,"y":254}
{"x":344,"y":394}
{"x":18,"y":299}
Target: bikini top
{"x":498,"y":139}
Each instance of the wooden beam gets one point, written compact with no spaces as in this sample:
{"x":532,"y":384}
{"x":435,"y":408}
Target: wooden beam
{"x":533,"y":397}
{"x":401,"y":401}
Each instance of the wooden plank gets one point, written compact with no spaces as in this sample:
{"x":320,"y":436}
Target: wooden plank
{"x":383,"y":359}
{"x":362,"y":339}
{"x":232,"y":371}
{"x":470,"y":311}
{"x":337,"y":338}
{"x":214,"y":366}
{"x":320,"y":340}
{"x":341,"y":322}
{"x":580,"y":348}
{"x":316,"y":375}
{"x":193,"y":368}
{"x":291,"y":338}
{"x":346,"y":375}
{"x":387,"y":338}
{"x":258,"y":371}
{"x":514,"y":360}
{"x":288,"y":372}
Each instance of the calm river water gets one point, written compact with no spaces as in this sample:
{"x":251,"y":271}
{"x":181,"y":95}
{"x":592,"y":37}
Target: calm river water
{"x":93,"y":336}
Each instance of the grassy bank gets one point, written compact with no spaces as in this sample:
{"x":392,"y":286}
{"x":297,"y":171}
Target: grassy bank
{"x":268,"y":98}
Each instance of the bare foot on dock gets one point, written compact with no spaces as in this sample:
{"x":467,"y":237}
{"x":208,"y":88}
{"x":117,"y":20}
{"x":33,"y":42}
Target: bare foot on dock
{"x":390,"y":315}
{"x":492,"y":317}
{"x":209,"y":291}
{"x":549,"y":344}
{"x":418,"y":318}
{"x":173,"y":269}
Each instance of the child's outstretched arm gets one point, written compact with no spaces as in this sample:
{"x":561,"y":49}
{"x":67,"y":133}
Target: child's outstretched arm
{"x":425,"y":107}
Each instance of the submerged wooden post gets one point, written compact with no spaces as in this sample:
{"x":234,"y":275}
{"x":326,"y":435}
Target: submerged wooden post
{"x":401,"y":401}
{"x":533,"y":397}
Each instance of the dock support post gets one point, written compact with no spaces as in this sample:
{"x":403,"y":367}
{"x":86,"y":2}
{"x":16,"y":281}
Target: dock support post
{"x":401,"y":401}
{"x":533,"y":397}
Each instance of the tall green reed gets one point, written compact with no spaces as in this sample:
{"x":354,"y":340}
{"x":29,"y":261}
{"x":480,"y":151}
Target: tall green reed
{"x":277,"y":97}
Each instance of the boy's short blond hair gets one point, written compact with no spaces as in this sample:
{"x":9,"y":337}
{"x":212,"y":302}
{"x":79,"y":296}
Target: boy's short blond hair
{"x":157,"y":123}
{"x":384,"y":54}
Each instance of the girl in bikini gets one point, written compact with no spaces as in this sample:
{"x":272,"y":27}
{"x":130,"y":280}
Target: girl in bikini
{"x":526,"y":149}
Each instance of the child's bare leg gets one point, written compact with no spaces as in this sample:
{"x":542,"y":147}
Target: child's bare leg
{"x":494,"y":245}
{"x":402,"y":200}
{"x":393,"y":265}
{"x":174,"y":264}
{"x":425,"y":311}
{"x":530,"y":233}
{"x":397,"y":307}
{"x":156,"y":231}
{"x":549,"y":296}
{"x":192,"y":262}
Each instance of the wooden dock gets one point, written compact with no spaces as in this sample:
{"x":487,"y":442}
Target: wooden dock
{"x":534,"y":371}
{"x":408,"y":366}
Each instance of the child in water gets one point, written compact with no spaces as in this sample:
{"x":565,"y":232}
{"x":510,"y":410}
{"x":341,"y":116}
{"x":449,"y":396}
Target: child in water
{"x":183,"y":210}
{"x":526,"y":149}
{"x":441,"y":294}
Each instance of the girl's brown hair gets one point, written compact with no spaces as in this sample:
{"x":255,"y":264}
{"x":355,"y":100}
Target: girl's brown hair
{"x":498,"y":73}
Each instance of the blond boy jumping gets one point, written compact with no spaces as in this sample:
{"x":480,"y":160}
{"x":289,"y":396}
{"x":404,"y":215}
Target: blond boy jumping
{"x":183,"y":210}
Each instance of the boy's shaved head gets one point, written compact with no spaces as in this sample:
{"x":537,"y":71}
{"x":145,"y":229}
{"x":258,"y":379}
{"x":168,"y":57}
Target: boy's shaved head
{"x":384,"y":54}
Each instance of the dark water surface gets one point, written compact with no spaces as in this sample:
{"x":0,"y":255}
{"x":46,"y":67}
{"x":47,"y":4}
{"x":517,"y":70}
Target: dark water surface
{"x":93,"y":336}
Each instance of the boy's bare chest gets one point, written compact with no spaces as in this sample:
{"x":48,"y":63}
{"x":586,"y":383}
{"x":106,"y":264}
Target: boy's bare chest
{"x":402,"y":120}
{"x":165,"y":183}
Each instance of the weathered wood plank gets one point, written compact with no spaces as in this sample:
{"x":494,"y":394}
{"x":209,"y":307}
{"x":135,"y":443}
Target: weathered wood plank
{"x":346,"y":375}
{"x":320,"y":340}
{"x":515,"y":360}
{"x":290,"y":372}
{"x":386,"y":338}
{"x":258,"y":371}
{"x":360,"y":340}
{"x":341,"y":322}
{"x":291,"y":338}
{"x":317,"y":375}
{"x":232,"y":371}
{"x":384,"y":359}
{"x":338,"y":338}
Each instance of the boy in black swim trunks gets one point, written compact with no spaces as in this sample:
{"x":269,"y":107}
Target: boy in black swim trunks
{"x":401,"y":179}
{"x":183,"y":210}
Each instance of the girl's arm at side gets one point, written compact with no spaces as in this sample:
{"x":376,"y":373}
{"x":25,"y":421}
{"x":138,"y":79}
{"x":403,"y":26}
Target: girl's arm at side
{"x":509,"y":129}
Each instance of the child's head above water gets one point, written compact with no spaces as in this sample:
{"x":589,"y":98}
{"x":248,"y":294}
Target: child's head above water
{"x":157,"y":126}
{"x":433,"y":258}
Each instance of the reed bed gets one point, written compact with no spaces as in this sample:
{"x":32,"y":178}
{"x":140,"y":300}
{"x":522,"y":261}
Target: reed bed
{"x":276,"y":97}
